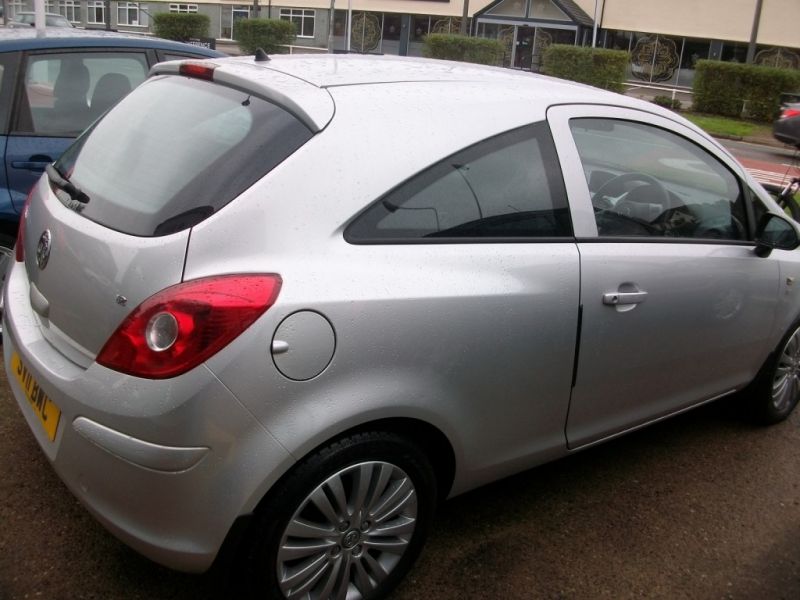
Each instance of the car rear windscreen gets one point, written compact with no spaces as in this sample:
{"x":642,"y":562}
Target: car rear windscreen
{"x":175,"y":151}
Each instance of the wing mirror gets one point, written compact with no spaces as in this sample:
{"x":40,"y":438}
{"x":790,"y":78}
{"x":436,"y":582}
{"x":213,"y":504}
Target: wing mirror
{"x":775,"y":232}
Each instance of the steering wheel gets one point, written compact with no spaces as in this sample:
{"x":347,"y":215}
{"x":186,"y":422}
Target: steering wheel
{"x":616,"y":187}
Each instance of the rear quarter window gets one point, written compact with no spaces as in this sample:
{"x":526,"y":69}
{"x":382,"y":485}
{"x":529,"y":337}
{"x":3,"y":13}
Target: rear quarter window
{"x":508,"y":186}
{"x":175,"y":151}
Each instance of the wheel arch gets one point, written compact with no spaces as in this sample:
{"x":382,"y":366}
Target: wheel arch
{"x":429,"y":438}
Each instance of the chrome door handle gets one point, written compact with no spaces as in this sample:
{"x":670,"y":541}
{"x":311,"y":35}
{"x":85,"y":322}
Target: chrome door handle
{"x":617,"y":298}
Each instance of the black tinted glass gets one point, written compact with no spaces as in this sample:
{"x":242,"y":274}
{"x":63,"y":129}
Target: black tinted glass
{"x":508,"y":186}
{"x":175,"y":151}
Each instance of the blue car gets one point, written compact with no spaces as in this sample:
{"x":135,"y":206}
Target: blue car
{"x":52,"y":88}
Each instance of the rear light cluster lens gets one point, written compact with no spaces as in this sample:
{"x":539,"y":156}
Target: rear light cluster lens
{"x":790,"y":112}
{"x":19,"y":248}
{"x":180,"y":327}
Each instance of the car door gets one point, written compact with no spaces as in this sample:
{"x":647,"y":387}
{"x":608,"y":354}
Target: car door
{"x":60,"y":92}
{"x":676,"y":306}
{"x":480,"y":246}
{"x":9,"y":62}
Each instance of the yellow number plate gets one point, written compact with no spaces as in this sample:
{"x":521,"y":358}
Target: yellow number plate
{"x":47,"y":411}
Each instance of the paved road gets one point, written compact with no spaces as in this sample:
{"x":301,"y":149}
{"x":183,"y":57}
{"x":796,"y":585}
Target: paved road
{"x":767,"y":164}
{"x":702,"y":506}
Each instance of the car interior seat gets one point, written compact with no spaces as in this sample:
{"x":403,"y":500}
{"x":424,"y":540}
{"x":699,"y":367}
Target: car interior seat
{"x":70,"y":109}
{"x":110,"y":89}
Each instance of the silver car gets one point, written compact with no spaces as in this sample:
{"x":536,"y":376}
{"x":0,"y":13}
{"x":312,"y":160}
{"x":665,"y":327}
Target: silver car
{"x":279,"y":309}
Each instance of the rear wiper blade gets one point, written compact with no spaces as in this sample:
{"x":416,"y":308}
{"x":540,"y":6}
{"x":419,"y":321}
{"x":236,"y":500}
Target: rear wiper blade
{"x":65,"y":184}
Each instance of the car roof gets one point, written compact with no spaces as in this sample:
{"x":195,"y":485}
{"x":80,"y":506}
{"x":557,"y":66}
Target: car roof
{"x":304,"y":84}
{"x":328,"y":71}
{"x":13,"y":40}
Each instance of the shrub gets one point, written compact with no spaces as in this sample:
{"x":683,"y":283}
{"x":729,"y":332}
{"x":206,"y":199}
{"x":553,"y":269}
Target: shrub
{"x":271,"y":35}
{"x":596,"y":66}
{"x":180,"y":27}
{"x":449,"y":46}
{"x":734,"y":89}
{"x":667,"y":102}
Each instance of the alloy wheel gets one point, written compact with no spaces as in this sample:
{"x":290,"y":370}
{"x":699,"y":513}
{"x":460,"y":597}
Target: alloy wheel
{"x":786,"y":381}
{"x":348,"y":534}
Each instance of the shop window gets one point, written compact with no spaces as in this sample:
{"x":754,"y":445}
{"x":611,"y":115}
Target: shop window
{"x":391,"y":27}
{"x":655,"y":58}
{"x":365,"y":32}
{"x":693,"y":51}
{"x":781,"y":58}
{"x":734,"y":52}
{"x":420,"y":27}
{"x":618,"y":40}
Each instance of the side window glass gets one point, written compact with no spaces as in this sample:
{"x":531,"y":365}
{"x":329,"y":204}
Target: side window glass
{"x":8,"y":61}
{"x":646,"y":181}
{"x":64,"y":93}
{"x":508,"y":186}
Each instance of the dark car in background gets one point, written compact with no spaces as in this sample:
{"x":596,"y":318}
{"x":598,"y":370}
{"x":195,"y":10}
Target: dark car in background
{"x":52,"y":88}
{"x":787,"y":127}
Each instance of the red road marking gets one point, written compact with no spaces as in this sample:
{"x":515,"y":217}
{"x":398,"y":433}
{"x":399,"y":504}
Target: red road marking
{"x":766,"y":172}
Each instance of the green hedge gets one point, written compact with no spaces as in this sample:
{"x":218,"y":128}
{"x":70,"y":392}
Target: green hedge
{"x":271,"y":35}
{"x":736,"y":90}
{"x":596,"y":66}
{"x":180,"y":27}
{"x":450,"y":46}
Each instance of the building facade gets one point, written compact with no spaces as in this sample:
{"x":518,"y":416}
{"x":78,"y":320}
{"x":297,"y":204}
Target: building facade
{"x":665,"y":39}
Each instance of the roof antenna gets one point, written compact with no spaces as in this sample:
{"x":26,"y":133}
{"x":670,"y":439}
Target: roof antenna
{"x":261,"y":56}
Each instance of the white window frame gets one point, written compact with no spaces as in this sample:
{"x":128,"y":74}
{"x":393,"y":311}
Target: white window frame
{"x":129,"y":8}
{"x":91,"y":11}
{"x":304,"y":14}
{"x":183,"y":8}
{"x":71,"y":9}
{"x":14,"y":7}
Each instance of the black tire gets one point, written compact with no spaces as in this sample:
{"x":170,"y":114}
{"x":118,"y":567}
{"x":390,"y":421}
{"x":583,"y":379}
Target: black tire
{"x":775,"y":392}
{"x":352,"y":546}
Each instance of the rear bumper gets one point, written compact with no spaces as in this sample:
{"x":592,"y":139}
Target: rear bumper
{"x":167,"y":466}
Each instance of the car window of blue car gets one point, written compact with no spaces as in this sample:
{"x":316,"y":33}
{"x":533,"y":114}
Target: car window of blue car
{"x":65,"y":92}
{"x":7,"y":61}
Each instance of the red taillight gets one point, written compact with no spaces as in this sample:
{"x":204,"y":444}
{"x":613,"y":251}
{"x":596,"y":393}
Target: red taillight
{"x":790,"y":112}
{"x":198,"y":70}
{"x":180,"y":327}
{"x":19,"y":249}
